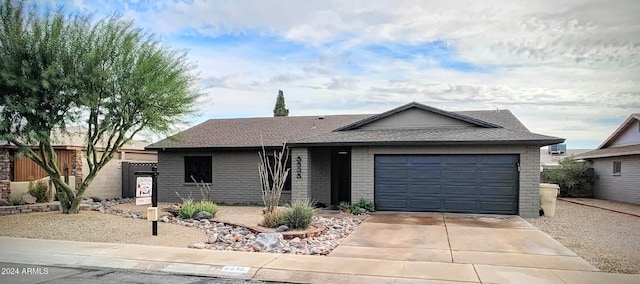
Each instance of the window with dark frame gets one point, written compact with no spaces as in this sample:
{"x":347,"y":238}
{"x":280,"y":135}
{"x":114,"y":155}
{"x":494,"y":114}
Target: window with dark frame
{"x":617,"y":168}
{"x":200,"y":167}
{"x":287,"y":183}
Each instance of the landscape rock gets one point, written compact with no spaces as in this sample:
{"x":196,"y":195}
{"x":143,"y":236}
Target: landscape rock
{"x":213,"y":238}
{"x":272,"y":241}
{"x":199,"y":245}
{"x":28,"y":198}
{"x":282,"y":228}
{"x":4,"y":202}
{"x":96,"y":199}
{"x":221,"y":236}
{"x":202,"y":215}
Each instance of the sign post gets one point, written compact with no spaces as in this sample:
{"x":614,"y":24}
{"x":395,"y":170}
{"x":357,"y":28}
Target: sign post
{"x":147,"y":187}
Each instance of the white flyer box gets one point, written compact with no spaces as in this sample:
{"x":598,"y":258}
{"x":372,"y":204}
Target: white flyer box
{"x":143,"y":190}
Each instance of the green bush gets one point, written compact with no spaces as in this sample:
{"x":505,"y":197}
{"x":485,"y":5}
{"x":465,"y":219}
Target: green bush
{"x":300,"y":215}
{"x":574,"y":178}
{"x":364,"y":204}
{"x":344,"y":206}
{"x":188,"y":209}
{"x":208,"y":206}
{"x":358,"y":210}
{"x":16,"y":200}
{"x":39,"y":190}
{"x":274,"y":219}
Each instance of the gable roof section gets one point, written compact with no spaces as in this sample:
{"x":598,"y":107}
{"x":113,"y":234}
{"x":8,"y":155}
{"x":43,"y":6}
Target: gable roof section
{"x":246,"y":132}
{"x":430,"y":136}
{"x":610,"y":152}
{"x":493,"y":127}
{"x":623,"y":127}
{"x":604,"y":150}
{"x":397,"y":110}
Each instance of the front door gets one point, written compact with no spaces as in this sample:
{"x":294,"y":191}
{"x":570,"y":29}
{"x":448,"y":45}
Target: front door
{"x":340,"y":175}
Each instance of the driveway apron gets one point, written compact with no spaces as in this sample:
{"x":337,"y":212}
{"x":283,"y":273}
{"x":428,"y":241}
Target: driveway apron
{"x":458,"y":238}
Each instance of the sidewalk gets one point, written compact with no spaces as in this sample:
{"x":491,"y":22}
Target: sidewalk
{"x":279,"y":267}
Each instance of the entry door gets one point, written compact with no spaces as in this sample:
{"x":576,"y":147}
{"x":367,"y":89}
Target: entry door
{"x":340,"y":175}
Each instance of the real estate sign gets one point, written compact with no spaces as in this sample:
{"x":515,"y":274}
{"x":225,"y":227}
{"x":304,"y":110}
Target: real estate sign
{"x":143,"y":190}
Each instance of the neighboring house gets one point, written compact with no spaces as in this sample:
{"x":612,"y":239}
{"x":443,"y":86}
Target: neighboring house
{"x":69,"y":150}
{"x":411,"y":158}
{"x":616,"y":163}
{"x":551,"y":159}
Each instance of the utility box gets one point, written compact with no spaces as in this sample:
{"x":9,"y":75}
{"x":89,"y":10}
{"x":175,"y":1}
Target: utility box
{"x":548,"y":196}
{"x":152,"y":213}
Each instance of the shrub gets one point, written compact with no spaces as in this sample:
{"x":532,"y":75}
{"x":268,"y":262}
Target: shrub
{"x":274,"y":219}
{"x":358,"y":210}
{"x":574,"y":178}
{"x":16,"y":200}
{"x":39,"y":190}
{"x":365,"y":205}
{"x":208,"y":206}
{"x":300,"y":215}
{"x":344,"y":206}
{"x":188,"y":209}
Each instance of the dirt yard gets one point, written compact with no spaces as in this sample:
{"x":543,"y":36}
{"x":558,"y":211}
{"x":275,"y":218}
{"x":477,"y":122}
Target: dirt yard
{"x":608,"y":240}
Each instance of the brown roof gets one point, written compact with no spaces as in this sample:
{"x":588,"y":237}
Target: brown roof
{"x":464,"y":135}
{"x":493,"y":127}
{"x":246,"y":132}
{"x":611,"y":152}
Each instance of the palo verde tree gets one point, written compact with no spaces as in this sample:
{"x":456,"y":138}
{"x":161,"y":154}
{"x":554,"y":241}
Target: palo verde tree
{"x":280,"y":109}
{"x":113,"y":80}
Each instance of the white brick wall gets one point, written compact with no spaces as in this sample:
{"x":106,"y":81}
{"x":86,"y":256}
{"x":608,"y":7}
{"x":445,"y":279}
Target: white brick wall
{"x":362,"y":159}
{"x":624,"y":187}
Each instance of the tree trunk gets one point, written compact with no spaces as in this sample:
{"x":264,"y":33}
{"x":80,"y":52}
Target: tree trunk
{"x":69,"y":200}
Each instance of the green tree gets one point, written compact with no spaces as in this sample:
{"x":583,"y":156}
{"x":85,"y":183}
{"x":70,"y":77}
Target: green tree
{"x":280,"y":109}
{"x":108,"y":77}
{"x":575,"y":178}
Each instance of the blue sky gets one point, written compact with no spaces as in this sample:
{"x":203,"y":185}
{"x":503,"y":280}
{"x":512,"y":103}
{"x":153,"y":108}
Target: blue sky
{"x":568,"y":68}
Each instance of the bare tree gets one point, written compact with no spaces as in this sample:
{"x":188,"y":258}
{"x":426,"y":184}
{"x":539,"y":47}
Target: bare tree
{"x":273,"y":175}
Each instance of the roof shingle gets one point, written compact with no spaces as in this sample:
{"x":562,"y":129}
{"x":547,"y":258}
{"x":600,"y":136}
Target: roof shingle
{"x":300,"y":130}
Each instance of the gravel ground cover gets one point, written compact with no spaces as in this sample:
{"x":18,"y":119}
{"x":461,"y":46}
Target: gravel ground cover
{"x":115,"y":222}
{"x":608,"y":240}
{"x":608,"y":204}
{"x":92,"y":226}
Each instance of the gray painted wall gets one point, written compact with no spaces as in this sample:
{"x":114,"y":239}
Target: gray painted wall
{"x":362,"y":159}
{"x":624,"y":187}
{"x":415,"y":118}
{"x":321,"y":175}
{"x":631,"y":136}
{"x":235,"y":177}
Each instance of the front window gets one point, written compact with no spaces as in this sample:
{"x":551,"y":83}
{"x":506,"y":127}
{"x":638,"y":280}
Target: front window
{"x":198,"y":167}
{"x":617,"y":168}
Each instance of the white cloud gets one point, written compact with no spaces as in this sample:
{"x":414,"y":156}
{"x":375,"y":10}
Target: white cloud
{"x":561,"y":66}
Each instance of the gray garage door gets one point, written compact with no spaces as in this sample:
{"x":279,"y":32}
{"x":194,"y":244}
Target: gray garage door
{"x":447,"y":183}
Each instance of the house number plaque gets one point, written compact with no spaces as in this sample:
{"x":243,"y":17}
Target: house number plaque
{"x":299,"y":167}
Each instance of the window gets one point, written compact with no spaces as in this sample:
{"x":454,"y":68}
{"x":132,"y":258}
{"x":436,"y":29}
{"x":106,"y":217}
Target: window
{"x":200,"y":167}
{"x":617,"y":168}
{"x":287,"y":183}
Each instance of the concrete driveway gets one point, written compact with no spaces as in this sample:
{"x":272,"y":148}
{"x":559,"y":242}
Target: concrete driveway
{"x":458,"y":238}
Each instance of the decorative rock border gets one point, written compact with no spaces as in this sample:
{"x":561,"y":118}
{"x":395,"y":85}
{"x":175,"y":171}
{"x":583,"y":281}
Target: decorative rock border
{"x":29,"y":208}
{"x":309,"y":233}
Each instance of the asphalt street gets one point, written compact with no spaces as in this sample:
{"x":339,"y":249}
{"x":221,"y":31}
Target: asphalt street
{"x":23,"y":273}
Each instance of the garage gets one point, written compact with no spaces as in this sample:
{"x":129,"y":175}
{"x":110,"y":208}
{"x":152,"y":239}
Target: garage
{"x":447,"y":183}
